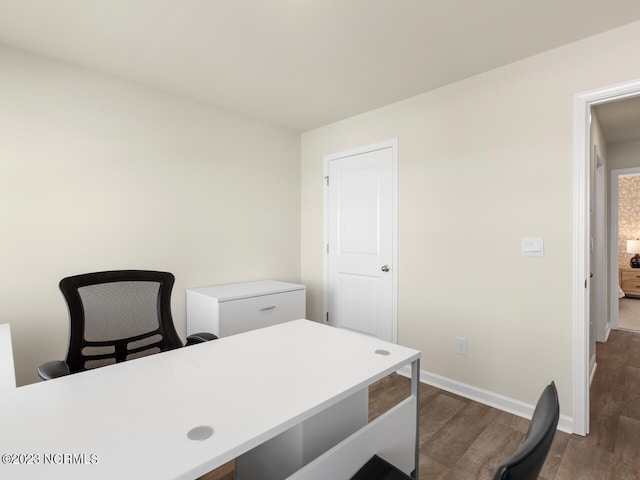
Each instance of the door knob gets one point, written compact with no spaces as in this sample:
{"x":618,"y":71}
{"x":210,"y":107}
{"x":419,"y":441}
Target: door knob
{"x":385,"y":268}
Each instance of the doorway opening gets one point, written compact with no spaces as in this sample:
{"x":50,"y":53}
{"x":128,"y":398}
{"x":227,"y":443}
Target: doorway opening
{"x":584,"y":334}
{"x":625,"y":232}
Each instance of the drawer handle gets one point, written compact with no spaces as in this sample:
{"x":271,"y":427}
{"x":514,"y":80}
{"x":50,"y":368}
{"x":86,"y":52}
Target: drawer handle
{"x":264,"y":309}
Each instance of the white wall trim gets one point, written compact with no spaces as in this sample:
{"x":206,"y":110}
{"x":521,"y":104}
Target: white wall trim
{"x":600,"y":255}
{"x":393,"y":144}
{"x":486,"y":397}
{"x":581,"y":224}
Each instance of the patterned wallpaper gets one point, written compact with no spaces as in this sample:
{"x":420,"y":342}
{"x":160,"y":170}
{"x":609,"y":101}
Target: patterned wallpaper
{"x":628,"y":215}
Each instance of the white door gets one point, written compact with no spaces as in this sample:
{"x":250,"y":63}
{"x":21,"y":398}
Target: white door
{"x":360,"y":233}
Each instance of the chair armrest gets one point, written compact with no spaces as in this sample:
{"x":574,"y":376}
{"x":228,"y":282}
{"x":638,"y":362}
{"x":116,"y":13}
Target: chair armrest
{"x":53,"y":369}
{"x":200,"y":338}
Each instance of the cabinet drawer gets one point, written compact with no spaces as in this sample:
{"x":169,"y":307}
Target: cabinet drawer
{"x":237,"y":316}
{"x":631,"y":287}
{"x":633,"y":277}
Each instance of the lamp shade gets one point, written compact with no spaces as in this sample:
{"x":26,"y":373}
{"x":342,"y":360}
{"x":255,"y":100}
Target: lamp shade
{"x":633,"y":246}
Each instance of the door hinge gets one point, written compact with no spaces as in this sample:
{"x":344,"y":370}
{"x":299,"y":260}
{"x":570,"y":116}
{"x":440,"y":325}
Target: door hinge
{"x":327,"y":179}
{"x":327,"y":317}
{"x":327,"y":248}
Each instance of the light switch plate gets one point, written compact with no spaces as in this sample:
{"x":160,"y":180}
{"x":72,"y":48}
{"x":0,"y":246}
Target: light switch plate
{"x":533,"y":247}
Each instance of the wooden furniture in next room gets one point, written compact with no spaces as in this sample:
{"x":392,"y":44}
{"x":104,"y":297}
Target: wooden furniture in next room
{"x":630,"y":281}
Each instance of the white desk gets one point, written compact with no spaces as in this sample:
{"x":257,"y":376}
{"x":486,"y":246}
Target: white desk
{"x":7,"y":372}
{"x":133,"y":417}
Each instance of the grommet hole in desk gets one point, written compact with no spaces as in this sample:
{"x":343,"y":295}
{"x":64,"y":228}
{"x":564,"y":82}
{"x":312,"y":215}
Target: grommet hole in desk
{"x":200,"y":433}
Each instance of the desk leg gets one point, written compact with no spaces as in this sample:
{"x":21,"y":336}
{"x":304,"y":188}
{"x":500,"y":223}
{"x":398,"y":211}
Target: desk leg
{"x":415,"y":392}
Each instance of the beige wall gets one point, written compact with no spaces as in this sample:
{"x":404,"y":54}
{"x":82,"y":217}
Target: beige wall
{"x":100,"y":174}
{"x":621,"y":156}
{"x":482,"y":163}
{"x":628,"y":216}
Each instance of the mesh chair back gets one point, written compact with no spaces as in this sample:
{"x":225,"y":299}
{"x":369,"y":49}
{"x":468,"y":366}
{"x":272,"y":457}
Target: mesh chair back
{"x":117,"y":316}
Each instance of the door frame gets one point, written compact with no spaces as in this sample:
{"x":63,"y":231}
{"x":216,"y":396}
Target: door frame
{"x":582,"y":104}
{"x":600,"y":253}
{"x":393,"y":144}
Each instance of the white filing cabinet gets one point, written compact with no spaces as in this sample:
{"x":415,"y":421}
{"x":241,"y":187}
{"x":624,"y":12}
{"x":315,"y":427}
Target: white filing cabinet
{"x":239,"y":307}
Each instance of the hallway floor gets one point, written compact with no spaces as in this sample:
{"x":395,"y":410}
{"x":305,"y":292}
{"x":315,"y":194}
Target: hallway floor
{"x":629,"y":313}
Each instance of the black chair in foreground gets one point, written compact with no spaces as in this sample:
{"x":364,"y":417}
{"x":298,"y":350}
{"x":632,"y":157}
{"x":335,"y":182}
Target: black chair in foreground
{"x":378,"y":468}
{"x":527,"y":461}
{"x":117,"y":316}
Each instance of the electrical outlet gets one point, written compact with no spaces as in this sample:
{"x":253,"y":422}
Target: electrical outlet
{"x":461,"y":346}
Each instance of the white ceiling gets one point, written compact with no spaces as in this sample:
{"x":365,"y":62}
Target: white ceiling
{"x":301,"y":63}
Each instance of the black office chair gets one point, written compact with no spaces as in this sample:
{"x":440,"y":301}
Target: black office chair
{"x":527,"y":461}
{"x":378,"y":468}
{"x":117,"y":316}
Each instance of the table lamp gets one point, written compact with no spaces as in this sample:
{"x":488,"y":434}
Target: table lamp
{"x":633,"y":246}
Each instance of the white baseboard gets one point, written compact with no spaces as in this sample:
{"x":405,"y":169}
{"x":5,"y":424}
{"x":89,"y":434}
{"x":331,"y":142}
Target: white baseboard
{"x":607,"y":331}
{"x":592,"y":371}
{"x":492,"y":399}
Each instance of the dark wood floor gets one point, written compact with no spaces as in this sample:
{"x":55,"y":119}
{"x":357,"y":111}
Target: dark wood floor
{"x":461,"y":439}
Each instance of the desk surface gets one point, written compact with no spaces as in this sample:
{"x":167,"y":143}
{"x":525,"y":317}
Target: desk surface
{"x":7,"y":372}
{"x":134,"y":417}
